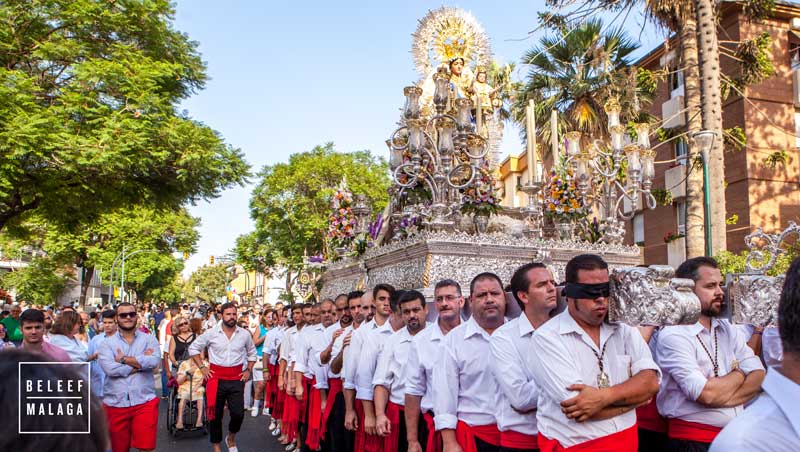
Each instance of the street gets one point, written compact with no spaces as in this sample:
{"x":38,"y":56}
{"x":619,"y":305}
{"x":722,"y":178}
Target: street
{"x":252,"y":437}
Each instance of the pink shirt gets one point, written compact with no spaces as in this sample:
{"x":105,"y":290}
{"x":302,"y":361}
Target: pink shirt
{"x":57,"y":354}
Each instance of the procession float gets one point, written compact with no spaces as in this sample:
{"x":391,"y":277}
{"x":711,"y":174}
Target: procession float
{"x":444,"y":218}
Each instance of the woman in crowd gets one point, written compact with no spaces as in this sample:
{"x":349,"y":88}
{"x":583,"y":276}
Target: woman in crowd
{"x":5,"y":342}
{"x":64,"y":334}
{"x":181,"y":340}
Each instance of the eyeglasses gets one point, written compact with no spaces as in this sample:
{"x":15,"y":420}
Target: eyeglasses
{"x":183,"y":324}
{"x":126,"y":315}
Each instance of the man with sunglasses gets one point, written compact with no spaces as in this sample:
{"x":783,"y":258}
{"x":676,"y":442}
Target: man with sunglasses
{"x":591,"y":375}
{"x":128,"y":359}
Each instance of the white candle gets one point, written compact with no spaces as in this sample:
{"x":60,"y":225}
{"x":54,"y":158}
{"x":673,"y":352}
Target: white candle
{"x":533,"y":165}
{"x":554,"y":134}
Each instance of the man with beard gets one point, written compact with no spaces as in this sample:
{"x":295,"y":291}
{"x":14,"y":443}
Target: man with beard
{"x":348,"y":307}
{"x":709,"y":371}
{"x":128,"y":359}
{"x":290,"y":418}
{"x":390,"y":375}
{"x":466,"y":393}
{"x":231,"y":357}
{"x":533,"y":288}
{"x":426,"y":347}
{"x":388,"y":321}
{"x":770,"y":424}
{"x":591,"y":375}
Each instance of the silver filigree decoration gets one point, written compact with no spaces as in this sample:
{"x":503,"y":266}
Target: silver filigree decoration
{"x":651,"y":296}
{"x":753,"y":299}
{"x":761,"y":245}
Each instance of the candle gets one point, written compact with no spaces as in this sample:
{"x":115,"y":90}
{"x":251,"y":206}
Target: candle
{"x":554,"y":134}
{"x":533,"y":164}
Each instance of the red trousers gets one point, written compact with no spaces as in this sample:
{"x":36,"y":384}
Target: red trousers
{"x":134,"y":426}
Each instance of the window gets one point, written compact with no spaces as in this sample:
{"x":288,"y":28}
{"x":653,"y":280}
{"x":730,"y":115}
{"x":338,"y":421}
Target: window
{"x":681,"y":150}
{"x":675,"y":82}
{"x":680,"y":206}
{"x":794,"y":55}
{"x":638,"y":229}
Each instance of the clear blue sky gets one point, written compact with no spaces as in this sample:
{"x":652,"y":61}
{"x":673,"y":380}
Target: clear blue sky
{"x":286,"y":76}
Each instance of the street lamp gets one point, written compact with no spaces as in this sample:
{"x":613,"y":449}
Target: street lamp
{"x":124,"y":256}
{"x":704,"y":139}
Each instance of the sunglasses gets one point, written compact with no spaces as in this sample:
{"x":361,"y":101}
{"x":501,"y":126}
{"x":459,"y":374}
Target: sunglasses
{"x":183,"y":324}
{"x":126,"y":315}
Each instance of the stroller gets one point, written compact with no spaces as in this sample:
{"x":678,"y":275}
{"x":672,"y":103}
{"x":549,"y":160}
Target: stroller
{"x":190,"y":411}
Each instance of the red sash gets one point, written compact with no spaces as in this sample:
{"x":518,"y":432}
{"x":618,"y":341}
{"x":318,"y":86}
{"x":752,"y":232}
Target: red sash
{"x":434,"y":441}
{"x":515,"y":440}
{"x":624,"y":441}
{"x":314,"y":436}
{"x":304,"y":402}
{"x":647,"y":417}
{"x":466,"y":434}
{"x":280,"y":400}
{"x":692,"y":431}
{"x":359,"y":436}
{"x":334,"y":388}
{"x":294,"y":412}
{"x":394,"y":412}
{"x":218,"y":373}
{"x":270,"y":387}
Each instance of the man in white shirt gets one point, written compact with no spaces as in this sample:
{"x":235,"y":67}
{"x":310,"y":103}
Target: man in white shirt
{"x":772,"y":422}
{"x":290,"y":418}
{"x":425,"y":350}
{"x":387,"y":320}
{"x":350,"y":318}
{"x":390,"y":377}
{"x":533,"y":288}
{"x":709,"y":370}
{"x":109,"y":319}
{"x":465,"y":391}
{"x":231,"y":355}
{"x":307,"y":369}
{"x":591,"y":375}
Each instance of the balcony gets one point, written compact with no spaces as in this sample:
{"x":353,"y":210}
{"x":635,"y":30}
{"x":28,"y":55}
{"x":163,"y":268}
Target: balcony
{"x":674,"y":181}
{"x":796,"y":86}
{"x":672,"y":113}
{"x":676,"y":252}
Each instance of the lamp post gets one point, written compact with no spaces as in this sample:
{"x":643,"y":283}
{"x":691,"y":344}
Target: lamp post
{"x":124,"y":255}
{"x":704,"y":139}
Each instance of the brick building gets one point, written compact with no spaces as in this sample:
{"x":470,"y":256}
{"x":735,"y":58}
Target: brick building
{"x":758,"y":194}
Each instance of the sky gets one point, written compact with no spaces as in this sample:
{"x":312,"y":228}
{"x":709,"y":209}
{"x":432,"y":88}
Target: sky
{"x":287,"y":76}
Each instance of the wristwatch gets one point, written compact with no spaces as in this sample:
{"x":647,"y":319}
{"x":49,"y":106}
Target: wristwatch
{"x":122,"y":360}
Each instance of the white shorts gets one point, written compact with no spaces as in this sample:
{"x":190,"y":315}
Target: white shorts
{"x":258,"y":374}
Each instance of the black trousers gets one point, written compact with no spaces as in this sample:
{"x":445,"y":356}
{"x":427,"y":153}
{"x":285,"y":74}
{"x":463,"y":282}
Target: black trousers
{"x":338,"y":438}
{"x":402,"y":440}
{"x":483,"y":446}
{"x":650,"y":441}
{"x":232,"y":393}
{"x":683,"y":445}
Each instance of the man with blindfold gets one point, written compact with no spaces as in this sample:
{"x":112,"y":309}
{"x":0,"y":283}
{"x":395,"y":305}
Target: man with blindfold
{"x":591,"y":374}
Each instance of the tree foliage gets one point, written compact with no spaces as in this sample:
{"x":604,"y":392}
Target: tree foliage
{"x":291,"y":203}
{"x":89,"y":92}
{"x":206,"y":284}
{"x":41,"y":282}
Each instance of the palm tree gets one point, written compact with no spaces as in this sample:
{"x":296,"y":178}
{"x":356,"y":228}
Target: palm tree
{"x":575,"y":71}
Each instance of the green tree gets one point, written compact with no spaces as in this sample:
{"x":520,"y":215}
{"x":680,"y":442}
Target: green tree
{"x":206,"y":284}
{"x":89,"y":120}
{"x":574,"y":71}
{"x":41,"y":282}
{"x":291,"y":203}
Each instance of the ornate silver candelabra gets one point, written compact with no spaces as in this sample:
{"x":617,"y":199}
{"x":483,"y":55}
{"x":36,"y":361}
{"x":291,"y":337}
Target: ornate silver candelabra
{"x":443,"y":154}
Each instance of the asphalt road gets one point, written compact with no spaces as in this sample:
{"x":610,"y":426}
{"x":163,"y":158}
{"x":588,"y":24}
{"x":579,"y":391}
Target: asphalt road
{"x":253,"y":436}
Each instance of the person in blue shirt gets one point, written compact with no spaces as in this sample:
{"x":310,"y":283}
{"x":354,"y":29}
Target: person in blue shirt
{"x":109,"y":329}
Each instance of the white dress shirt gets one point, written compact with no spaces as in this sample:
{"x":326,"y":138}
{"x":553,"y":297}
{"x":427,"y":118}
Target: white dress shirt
{"x":223,"y":351}
{"x":309,"y":339}
{"x":771,"y":347}
{"x":511,"y":359}
{"x":287,"y":344}
{"x":272,"y":341}
{"x":353,"y":352}
{"x":563,"y":354}
{"x":368,"y":359}
{"x":425,"y":350}
{"x":75,"y":349}
{"x":324,"y":370}
{"x":391,"y":369}
{"x":464,"y":387}
{"x":687,"y":368}
{"x":770,"y":424}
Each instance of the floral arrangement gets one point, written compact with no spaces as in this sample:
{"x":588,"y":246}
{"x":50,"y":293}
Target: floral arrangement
{"x":342,"y":222}
{"x":671,"y":237}
{"x":481,"y":198}
{"x":561,"y":200}
{"x":408,"y":227}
